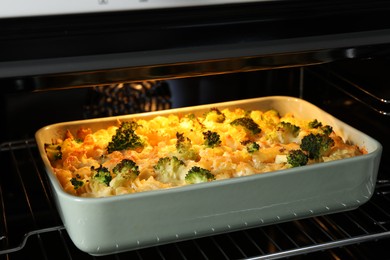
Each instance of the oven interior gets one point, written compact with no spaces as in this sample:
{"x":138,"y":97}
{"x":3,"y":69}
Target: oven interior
{"x":349,"y":83}
{"x":30,"y":223}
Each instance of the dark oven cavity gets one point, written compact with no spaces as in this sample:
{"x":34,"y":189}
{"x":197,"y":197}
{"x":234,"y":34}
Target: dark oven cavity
{"x":31,"y":225}
{"x":63,"y":68}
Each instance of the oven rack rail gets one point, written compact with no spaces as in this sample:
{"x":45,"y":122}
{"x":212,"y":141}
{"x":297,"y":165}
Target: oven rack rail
{"x":380,"y":104}
{"x":30,"y":224}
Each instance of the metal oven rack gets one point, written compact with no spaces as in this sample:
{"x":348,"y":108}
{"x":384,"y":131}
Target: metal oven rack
{"x":30,"y":225}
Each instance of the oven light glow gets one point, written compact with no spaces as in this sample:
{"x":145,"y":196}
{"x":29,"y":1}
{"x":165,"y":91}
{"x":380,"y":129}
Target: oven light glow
{"x":350,"y":53}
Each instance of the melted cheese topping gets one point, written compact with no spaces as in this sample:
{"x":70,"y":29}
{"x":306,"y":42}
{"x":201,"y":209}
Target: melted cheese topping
{"x":85,"y":150}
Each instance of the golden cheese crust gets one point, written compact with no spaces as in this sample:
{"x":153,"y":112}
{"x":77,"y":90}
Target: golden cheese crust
{"x":78,"y":155}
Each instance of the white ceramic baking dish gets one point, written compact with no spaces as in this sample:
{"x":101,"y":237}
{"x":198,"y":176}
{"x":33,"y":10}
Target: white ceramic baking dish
{"x":107,"y":225}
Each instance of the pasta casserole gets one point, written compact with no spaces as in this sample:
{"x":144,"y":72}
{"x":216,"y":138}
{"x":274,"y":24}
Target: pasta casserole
{"x":183,"y":149}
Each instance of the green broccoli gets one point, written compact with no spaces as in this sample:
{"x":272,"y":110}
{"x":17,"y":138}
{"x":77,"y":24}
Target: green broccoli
{"x":53,"y":151}
{"x":286,"y":132}
{"x":79,"y":140}
{"x":297,"y":158}
{"x":125,"y":138}
{"x":251,"y":146}
{"x":215,"y":115}
{"x":101,"y":174}
{"x":190,"y":116}
{"x":185,"y":149}
{"x":316,"y":145}
{"x":289,"y":129}
{"x":76,"y":183}
{"x":170,"y":169}
{"x":248,"y":124}
{"x":197,"y":175}
{"x":211,"y":139}
{"x":126,"y":167}
{"x":326,"y":129}
{"x":125,"y":171}
{"x":315,"y":124}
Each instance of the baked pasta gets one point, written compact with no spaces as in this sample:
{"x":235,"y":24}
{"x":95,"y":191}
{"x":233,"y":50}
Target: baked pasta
{"x":175,"y":150}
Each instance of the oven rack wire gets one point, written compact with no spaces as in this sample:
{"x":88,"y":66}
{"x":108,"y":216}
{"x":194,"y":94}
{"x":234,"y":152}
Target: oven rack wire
{"x":30,"y":224}
{"x":362,"y":94}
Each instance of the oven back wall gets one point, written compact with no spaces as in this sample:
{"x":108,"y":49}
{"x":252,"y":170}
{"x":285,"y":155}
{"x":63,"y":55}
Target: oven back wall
{"x":25,"y":112}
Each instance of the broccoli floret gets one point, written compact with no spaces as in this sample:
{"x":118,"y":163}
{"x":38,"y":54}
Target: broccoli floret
{"x":315,"y":124}
{"x":126,"y":167}
{"x":289,"y":129}
{"x":125,"y":171}
{"x":286,"y":132}
{"x":125,"y":138}
{"x":101,"y":174}
{"x":297,"y":158}
{"x":185,"y":149}
{"x":211,"y":139}
{"x":251,"y":146}
{"x":191,"y":116}
{"x":248,"y":124}
{"x":79,"y":140}
{"x":170,"y":169}
{"x":197,"y":175}
{"x":215,"y":115}
{"x":326,"y":129}
{"x":53,"y":152}
{"x":76,"y":183}
{"x":316,"y":145}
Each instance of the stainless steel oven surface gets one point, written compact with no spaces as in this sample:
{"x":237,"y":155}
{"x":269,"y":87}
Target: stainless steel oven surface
{"x":68,"y":62}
